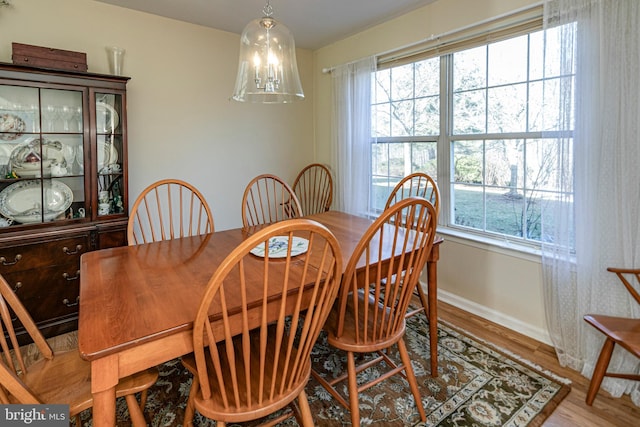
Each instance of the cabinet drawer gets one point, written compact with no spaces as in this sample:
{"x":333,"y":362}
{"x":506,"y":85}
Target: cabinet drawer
{"x":44,"y":254}
{"x":48,"y":293}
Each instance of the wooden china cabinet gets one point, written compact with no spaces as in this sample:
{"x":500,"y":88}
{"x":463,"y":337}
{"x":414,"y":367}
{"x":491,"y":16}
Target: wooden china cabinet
{"x":63,"y":183}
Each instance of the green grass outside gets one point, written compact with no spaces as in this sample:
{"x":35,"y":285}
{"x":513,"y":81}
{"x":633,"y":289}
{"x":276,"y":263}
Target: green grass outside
{"x":504,"y":210}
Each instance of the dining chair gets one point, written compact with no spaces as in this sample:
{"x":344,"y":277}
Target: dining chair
{"x":369,"y":315}
{"x":623,"y":331}
{"x":168,"y":209}
{"x":314,"y":188}
{"x":268,"y":199}
{"x":417,"y":184}
{"x":60,"y":378}
{"x":250,"y":374}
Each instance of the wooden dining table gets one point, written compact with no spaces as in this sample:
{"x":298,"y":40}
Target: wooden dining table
{"x":138,"y":303}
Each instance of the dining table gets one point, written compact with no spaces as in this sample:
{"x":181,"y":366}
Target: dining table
{"x":138,"y":303}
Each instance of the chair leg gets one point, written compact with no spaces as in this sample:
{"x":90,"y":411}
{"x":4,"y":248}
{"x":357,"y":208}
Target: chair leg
{"x":413,"y":383}
{"x":135,"y":413}
{"x":190,"y":410}
{"x":305,"y":410}
{"x":297,"y":413}
{"x":329,"y":386}
{"x":143,"y":399}
{"x":354,"y":408}
{"x":600,"y":369}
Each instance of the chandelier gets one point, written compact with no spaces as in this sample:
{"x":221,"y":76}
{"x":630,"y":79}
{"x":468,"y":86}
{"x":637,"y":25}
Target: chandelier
{"x":267,"y":68}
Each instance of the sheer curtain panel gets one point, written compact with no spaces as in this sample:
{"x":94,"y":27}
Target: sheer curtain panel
{"x":352,"y":134}
{"x":600,"y":41}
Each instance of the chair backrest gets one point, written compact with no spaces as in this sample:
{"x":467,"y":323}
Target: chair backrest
{"x":630,"y":278}
{"x":11,"y":359}
{"x":379,"y":285}
{"x":166,"y":210}
{"x":314,"y":188}
{"x":268,"y":199}
{"x":417,"y":184}
{"x":311,"y":281}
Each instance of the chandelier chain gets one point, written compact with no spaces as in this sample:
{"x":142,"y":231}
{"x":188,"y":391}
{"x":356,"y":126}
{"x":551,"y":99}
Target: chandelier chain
{"x":268,"y":9}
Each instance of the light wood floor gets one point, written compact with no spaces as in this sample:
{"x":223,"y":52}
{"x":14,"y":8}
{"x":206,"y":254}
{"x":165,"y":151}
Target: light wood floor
{"x":573,"y":411}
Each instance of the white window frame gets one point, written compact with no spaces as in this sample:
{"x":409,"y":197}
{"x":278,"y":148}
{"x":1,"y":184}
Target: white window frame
{"x":486,"y":240}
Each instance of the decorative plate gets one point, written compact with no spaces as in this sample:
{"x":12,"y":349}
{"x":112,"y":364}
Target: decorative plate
{"x":107,"y":155}
{"x":21,"y":201}
{"x":278,"y":247}
{"x":25,"y":158}
{"x":107,"y":117}
{"x":13,"y":125}
{"x":6,"y":148}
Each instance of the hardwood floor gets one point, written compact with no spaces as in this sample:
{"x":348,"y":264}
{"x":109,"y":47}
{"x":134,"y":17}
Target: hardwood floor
{"x":573,"y":411}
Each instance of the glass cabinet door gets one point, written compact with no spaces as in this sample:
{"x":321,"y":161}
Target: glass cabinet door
{"x":109,"y":149}
{"x":42,"y":141}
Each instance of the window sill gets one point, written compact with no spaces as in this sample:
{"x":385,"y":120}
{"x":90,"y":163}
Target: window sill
{"x":503,"y":247}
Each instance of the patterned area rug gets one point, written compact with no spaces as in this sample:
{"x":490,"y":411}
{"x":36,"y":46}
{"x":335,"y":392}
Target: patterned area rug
{"x":477,"y":385}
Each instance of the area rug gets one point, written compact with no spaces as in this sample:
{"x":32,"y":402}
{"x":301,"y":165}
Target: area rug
{"x":477,"y":385}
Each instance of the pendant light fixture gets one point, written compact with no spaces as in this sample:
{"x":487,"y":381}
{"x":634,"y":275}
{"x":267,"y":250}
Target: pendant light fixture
{"x":267,"y":68}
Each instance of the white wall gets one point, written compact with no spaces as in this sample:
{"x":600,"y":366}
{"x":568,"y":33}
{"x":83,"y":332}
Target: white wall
{"x":181,"y":122}
{"x":479,"y":278}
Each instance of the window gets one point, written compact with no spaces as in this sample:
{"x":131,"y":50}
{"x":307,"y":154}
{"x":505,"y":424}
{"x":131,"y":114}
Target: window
{"x":482,"y":121}
{"x":406,"y":125}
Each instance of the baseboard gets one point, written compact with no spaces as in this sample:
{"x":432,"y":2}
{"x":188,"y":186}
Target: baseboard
{"x":495,"y":316}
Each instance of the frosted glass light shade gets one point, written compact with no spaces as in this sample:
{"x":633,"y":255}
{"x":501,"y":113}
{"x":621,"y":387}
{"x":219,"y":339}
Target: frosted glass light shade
{"x":267,"y":67}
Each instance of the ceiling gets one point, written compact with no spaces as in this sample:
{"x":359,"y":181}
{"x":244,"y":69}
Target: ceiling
{"x":314,"y":23}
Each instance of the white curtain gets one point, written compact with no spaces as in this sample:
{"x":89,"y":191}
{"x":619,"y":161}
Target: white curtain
{"x":352,"y":135}
{"x":600,"y":41}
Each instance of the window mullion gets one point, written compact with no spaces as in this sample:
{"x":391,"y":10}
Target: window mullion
{"x":445,"y":183}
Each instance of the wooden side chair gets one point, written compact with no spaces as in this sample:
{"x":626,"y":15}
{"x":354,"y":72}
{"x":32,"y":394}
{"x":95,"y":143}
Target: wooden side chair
{"x":618,"y":330}
{"x":268,"y":199}
{"x":250,"y":374}
{"x":314,"y":188}
{"x":417,"y":184}
{"x":168,"y":209}
{"x":61,"y":378}
{"x":369,"y":316}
